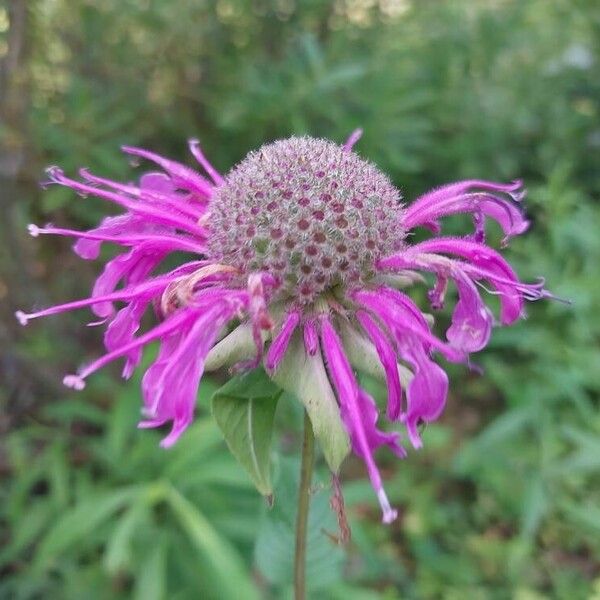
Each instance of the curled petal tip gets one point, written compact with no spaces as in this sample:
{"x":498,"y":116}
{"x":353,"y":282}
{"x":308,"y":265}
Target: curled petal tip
{"x":33,"y":230}
{"x":74,"y":381}
{"x":175,"y":434}
{"x":96,"y":323}
{"x":475,"y":368}
{"x":54,"y":172}
{"x":413,"y":434}
{"x":22,"y":317}
{"x":389,"y":514}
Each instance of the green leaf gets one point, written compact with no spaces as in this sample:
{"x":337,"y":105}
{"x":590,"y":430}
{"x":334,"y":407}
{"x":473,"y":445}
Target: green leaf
{"x":586,"y":514}
{"x":244,"y":409}
{"x":535,"y":505}
{"x":305,"y":377}
{"x":31,"y":522}
{"x":274,"y":549}
{"x":118,"y":549}
{"x":151,"y":583}
{"x":77,"y":524}
{"x":228,"y":573}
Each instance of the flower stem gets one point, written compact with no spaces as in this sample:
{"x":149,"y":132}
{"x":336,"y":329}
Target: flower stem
{"x":308,"y":451}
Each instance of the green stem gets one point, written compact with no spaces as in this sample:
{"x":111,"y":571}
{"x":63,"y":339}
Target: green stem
{"x":308,"y":451}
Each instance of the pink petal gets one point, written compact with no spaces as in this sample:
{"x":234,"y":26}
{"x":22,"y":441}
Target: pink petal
{"x":471,"y":320}
{"x":281,"y":341}
{"x":387,"y":356}
{"x":427,"y":391}
{"x":478,"y":197}
{"x":358,"y":412}
{"x":489,"y":265}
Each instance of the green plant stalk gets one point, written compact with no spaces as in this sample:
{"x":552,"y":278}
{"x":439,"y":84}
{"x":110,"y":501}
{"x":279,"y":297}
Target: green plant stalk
{"x":306,"y":470}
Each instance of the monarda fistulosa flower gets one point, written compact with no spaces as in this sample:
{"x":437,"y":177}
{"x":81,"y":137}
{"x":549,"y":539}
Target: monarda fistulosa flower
{"x":300,"y":256}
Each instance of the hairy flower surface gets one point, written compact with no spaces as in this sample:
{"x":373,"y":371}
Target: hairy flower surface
{"x":303,"y":244}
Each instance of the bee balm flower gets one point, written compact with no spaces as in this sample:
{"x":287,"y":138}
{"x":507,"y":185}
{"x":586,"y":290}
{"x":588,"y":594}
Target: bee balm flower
{"x":303,"y":244}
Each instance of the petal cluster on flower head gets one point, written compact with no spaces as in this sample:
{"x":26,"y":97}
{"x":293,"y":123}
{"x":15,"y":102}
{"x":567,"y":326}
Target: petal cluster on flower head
{"x":299,"y":194}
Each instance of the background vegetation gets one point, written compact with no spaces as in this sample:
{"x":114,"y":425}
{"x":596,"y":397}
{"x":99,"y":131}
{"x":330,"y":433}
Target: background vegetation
{"x":504,"y":500}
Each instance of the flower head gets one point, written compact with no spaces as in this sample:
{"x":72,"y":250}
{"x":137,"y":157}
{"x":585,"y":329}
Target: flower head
{"x":303,"y":240}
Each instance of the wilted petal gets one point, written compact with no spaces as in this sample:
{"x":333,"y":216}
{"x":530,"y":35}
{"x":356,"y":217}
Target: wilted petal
{"x":259,"y":315}
{"x":311,"y":337}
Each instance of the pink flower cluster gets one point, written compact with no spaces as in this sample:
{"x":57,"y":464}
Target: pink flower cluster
{"x":311,"y":229}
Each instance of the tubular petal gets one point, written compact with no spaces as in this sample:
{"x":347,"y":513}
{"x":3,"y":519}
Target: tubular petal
{"x":152,"y":212}
{"x":282,"y":339}
{"x":400,"y":323}
{"x":387,"y":356}
{"x":358,"y":410}
{"x":155,"y":188}
{"x":121,"y":331}
{"x":160,"y":241}
{"x":353,"y":138}
{"x":157,"y":332}
{"x":478,"y":197}
{"x":472,"y":321}
{"x":199,"y":156}
{"x":175,"y":388}
{"x":427,"y":391}
{"x":491,"y":262}
{"x":150,"y":288}
{"x":182,"y":176}
{"x":132,"y":267}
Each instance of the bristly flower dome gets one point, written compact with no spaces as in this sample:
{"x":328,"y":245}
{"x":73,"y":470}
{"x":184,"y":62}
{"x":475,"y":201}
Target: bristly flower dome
{"x":301,"y":249}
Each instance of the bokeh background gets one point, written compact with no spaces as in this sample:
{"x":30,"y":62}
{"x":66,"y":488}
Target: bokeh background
{"x":504,"y":500}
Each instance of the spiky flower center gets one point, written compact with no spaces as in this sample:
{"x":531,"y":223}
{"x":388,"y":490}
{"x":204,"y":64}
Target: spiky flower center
{"x":308,"y":211}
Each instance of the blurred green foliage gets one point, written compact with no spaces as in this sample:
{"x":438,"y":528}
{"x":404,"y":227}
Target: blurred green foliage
{"x":503,"y":502}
